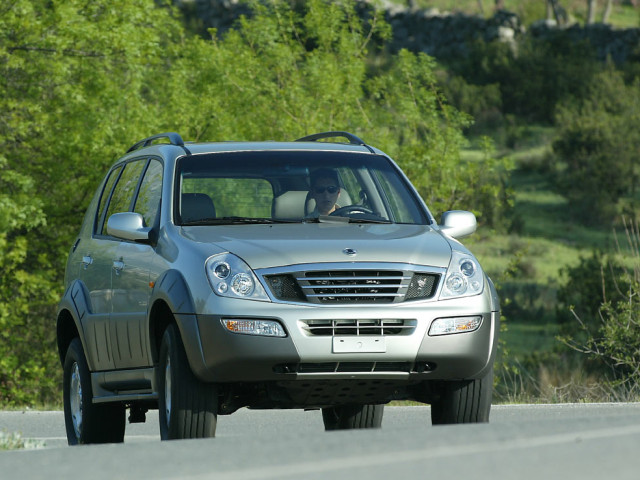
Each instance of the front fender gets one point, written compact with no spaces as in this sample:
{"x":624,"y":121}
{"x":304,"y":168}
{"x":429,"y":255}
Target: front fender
{"x":171,"y":290}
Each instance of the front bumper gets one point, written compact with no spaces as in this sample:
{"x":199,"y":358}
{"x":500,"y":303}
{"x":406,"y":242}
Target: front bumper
{"x":217,"y":355}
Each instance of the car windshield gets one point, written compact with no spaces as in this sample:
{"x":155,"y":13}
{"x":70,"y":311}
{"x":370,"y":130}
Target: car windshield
{"x":252,"y":187}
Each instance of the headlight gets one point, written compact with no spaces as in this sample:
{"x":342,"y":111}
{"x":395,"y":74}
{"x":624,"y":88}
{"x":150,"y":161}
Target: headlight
{"x":464,"y":277}
{"x":230,"y":276}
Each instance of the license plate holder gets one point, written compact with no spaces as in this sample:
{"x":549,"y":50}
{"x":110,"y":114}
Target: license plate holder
{"x":358,"y":344}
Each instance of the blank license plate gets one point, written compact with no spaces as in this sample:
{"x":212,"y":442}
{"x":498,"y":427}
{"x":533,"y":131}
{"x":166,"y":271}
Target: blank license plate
{"x":359,"y":345}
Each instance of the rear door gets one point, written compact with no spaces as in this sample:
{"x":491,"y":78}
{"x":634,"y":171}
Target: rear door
{"x":96,"y":254}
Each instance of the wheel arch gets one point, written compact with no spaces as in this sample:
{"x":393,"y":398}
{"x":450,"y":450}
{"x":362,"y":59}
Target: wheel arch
{"x":160,"y":317}
{"x":66,"y":331}
{"x":71,"y":310}
{"x":171,"y":302}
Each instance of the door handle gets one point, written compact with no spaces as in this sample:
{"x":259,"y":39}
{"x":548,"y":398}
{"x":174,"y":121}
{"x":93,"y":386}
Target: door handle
{"x":86,"y":261}
{"x":118,"y":266}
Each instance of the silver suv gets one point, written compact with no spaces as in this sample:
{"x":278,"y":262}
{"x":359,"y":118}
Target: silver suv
{"x":208,"y":277}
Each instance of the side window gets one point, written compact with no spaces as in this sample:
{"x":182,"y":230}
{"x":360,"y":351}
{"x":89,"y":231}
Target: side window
{"x":124,"y":190}
{"x":148,"y":200}
{"x":403,"y":210}
{"x":108,"y":186}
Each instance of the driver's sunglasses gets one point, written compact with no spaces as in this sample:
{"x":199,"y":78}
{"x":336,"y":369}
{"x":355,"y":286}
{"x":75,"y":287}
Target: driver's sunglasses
{"x":320,"y":190}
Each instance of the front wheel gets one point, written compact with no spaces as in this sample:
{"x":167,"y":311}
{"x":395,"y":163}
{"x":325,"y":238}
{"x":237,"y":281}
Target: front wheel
{"x":466,"y":401}
{"x":345,"y":417}
{"x":85,"y":421}
{"x":188,"y":407}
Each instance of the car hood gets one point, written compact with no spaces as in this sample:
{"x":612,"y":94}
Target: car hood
{"x":265,"y":246}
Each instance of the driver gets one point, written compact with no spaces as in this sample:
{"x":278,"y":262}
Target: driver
{"x":325,"y":190}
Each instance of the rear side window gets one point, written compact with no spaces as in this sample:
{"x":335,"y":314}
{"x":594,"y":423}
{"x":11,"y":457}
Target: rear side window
{"x":148,"y":201}
{"x":106,"y":192}
{"x":124,"y":190}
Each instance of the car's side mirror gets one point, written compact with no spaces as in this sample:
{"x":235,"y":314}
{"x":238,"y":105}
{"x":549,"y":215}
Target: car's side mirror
{"x":458,"y":223}
{"x":128,"y":226}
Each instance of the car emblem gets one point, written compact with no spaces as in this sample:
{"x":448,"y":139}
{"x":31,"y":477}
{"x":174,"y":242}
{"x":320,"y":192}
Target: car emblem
{"x":350,"y":251}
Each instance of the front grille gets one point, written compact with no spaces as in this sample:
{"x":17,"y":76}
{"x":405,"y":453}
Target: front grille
{"x":367,"y":286}
{"x":329,"y":327}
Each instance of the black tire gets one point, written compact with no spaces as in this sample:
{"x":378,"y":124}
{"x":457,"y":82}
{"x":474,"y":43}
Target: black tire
{"x":467,"y":401}
{"x":188,"y":407}
{"x":85,"y":421}
{"x":346,"y":417}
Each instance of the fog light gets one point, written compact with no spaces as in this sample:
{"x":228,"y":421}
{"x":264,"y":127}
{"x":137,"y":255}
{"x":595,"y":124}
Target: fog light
{"x":268,"y":328}
{"x":447,"y":326}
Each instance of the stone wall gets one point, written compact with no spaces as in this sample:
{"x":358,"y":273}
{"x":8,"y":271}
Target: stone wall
{"x":446,"y":35}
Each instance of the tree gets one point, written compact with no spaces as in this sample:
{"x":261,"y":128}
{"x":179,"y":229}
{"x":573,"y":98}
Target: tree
{"x":591,"y":11}
{"x":73,"y":88}
{"x":81,"y":81}
{"x":23,"y":290}
{"x":607,"y":11}
{"x":598,"y":145}
{"x":559,"y":13}
{"x":592,"y":6}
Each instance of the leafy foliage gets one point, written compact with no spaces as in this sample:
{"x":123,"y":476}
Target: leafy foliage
{"x":531,"y":78}
{"x":615,"y":339}
{"x":80,"y":81}
{"x":598,"y":144}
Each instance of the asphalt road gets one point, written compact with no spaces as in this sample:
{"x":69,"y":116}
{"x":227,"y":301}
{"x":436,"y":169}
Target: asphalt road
{"x":594,"y":441}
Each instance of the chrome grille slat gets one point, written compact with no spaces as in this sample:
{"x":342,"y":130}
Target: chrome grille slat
{"x":335,"y":286}
{"x":345,"y":295}
{"x":376,"y":327}
{"x":369,"y":285}
{"x":306,"y":279}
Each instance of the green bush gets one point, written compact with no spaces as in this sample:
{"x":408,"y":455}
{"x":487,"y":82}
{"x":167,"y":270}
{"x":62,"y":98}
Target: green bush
{"x":597,"y":147}
{"x":614,"y":340}
{"x":532,"y":78}
{"x":595,"y":279}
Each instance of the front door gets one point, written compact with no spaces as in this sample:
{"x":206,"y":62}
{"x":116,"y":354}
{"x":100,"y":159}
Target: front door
{"x":131,"y":279}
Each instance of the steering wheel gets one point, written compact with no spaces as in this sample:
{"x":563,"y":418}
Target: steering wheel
{"x":352,"y":209}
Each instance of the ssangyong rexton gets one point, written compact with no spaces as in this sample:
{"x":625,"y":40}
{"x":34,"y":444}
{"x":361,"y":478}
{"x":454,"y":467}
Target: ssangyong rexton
{"x":205,"y":278}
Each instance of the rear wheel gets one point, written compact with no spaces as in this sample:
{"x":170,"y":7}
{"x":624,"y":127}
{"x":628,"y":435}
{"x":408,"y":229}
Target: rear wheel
{"x":85,"y":421}
{"x":188,"y":407}
{"x":467,"y":401}
{"x":345,"y":417}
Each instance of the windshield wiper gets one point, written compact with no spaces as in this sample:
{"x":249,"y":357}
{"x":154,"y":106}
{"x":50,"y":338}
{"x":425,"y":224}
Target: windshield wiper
{"x":368,"y":220}
{"x":339,"y":219}
{"x":235,"y":221}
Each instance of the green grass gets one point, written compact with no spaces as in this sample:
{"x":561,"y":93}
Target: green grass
{"x":523,"y":339}
{"x":15,"y":441}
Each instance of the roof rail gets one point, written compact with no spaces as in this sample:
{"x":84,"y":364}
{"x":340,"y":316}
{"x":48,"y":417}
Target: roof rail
{"x":174,"y":139}
{"x":353,"y":140}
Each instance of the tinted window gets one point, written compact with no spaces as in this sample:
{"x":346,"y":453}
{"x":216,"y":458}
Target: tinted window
{"x":113,"y":175}
{"x":148,"y":200}
{"x":124,"y":190}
